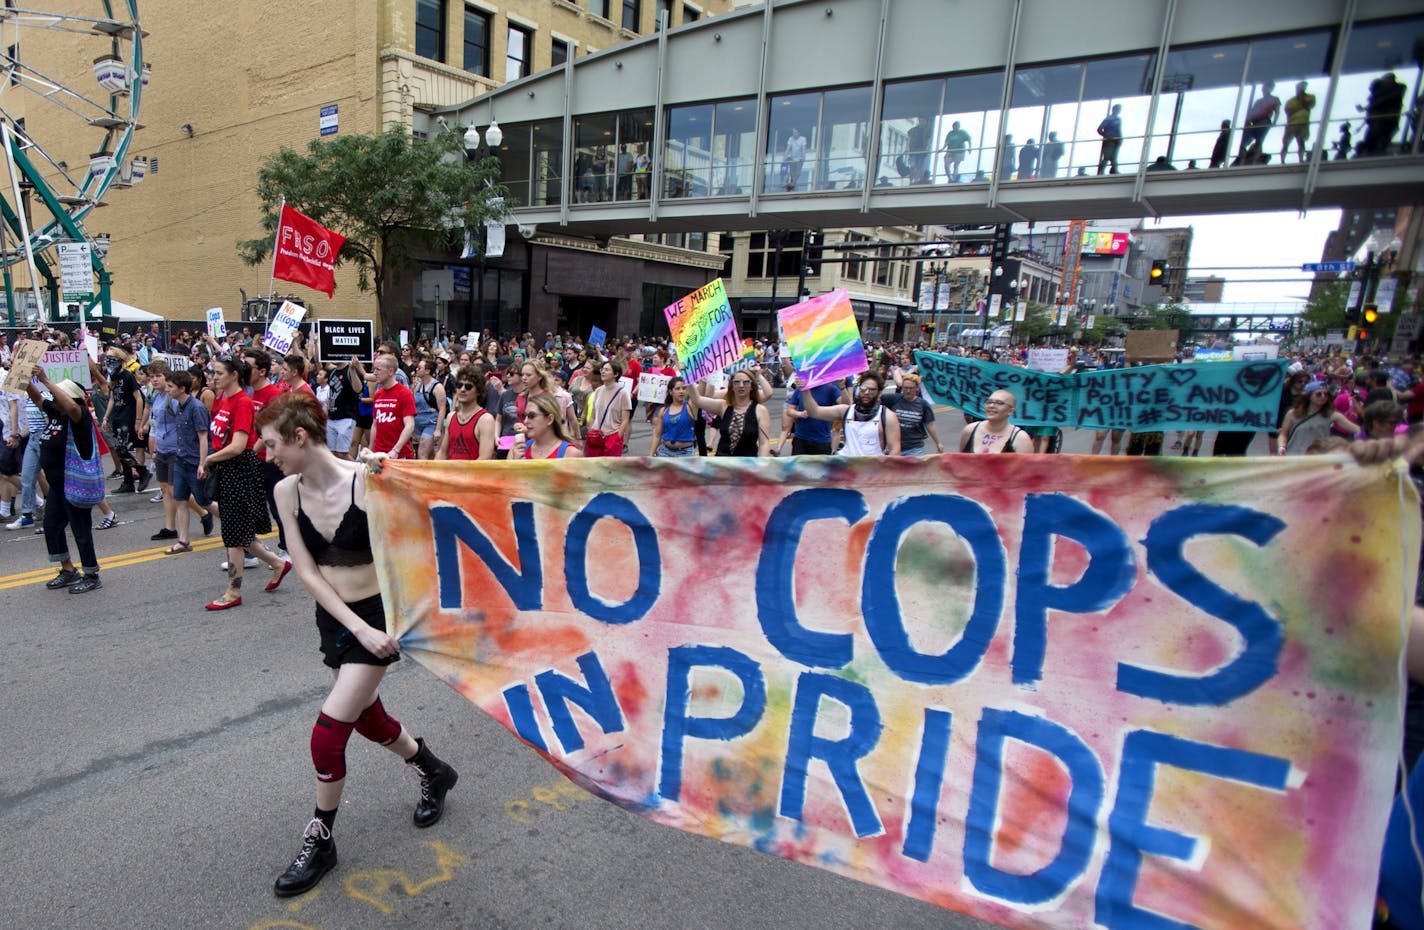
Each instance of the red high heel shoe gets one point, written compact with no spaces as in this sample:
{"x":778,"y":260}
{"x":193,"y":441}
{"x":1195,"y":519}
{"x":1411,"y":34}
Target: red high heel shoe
{"x":274,"y":585}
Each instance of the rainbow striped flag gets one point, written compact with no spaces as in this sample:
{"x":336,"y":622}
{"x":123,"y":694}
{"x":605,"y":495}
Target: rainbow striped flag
{"x":824,"y":339}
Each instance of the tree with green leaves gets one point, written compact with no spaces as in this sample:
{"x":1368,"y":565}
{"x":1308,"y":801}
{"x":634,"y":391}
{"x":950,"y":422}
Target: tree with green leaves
{"x":1037,"y":322}
{"x":1325,"y":310}
{"x":1104,"y":328}
{"x":391,"y":195}
{"x":1171,"y":315}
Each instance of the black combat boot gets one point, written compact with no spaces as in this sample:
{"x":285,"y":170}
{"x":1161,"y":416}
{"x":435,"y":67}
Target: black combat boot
{"x":436,"y":778}
{"x":316,"y":858}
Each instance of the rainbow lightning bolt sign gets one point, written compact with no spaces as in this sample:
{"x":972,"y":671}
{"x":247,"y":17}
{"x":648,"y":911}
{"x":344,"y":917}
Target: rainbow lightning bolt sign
{"x":704,"y":331}
{"x":823,"y":338}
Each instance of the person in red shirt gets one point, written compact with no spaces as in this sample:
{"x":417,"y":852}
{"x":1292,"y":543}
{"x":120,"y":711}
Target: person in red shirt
{"x":239,"y":481}
{"x":296,"y":376}
{"x":264,"y":391}
{"x":469,"y":432}
{"x":393,"y":411}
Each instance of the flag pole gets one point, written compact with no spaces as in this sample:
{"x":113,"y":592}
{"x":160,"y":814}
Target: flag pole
{"x":276,"y":241}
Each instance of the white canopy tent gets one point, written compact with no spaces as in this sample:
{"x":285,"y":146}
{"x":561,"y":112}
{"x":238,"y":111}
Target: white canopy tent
{"x":130,"y":314}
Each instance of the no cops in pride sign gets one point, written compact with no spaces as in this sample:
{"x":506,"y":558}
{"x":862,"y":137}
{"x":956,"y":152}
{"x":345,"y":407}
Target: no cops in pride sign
{"x":1048,"y":691}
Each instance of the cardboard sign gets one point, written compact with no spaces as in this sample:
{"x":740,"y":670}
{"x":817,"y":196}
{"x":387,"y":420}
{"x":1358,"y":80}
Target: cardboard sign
{"x":1221,"y":395}
{"x":283,"y":328}
{"x":338,"y":340}
{"x":68,"y":364}
{"x":1053,"y":692}
{"x":1151,"y":345}
{"x":652,"y":389}
{"x":217,"y":326}
{"x":28,"y":355}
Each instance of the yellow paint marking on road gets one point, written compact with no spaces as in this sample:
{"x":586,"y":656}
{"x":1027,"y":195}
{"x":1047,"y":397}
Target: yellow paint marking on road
{"x":107,"y":563}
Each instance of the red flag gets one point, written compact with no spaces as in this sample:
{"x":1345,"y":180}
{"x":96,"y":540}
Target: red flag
{"x":306,"y":251}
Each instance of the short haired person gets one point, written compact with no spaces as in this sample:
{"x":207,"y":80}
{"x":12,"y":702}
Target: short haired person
{"x":809,"y":436}
{"x":331,"y":550}
{"x":611,"y":414}
{"x":392,"y":410}
{"x":120,"y":419}
{"x":916,"y":416}
{"x":190,"y":432}
{"x":163,"y":445}
{"x":870,"y":428}
{"x":994,"y":433}
{"x":294,"y":374}
{"x":469,"y":432}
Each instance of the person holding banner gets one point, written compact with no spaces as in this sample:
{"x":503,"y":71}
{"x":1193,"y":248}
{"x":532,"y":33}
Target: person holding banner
{"x":393,"y":410}
{"x":994,"y":433}
{"x":673,"y":427}
{"x":869,"y":427}
{"x":743,"y":423}
{"x":240,"y":494}
{"x":542,"y":431}
{"x":331,"y":549}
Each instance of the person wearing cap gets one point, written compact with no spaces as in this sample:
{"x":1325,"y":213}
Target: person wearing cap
{"x":66,"y":414}
{"x":1311,"y":418}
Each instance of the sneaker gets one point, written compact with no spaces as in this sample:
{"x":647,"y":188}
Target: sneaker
{"x":111,"y":520}
{"x":436,"y":778}
{"x":248,"y":562}
{"x":157,"y":498}
{"x":21,"y":522}
{"x":164,"y":533}
{"x":207,"y":524}
{"x":64,"y":579}
{"x":316,"y":858}
{"x":126,"y":488}
{"x":87,"y":583}
{"x":144,"y":481}
{"x":118,"y":473}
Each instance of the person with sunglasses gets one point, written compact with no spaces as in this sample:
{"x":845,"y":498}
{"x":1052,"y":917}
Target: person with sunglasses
{"x":994,"y":433}
{"x":870,"y":428}
{"x":1310,"y":419}
{"x":542,"y":430}
{"x":743,"y":423}
{"x":469,"y":433}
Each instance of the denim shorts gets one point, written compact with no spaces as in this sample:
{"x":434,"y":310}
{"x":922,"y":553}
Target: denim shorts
{"x":186,"y":483}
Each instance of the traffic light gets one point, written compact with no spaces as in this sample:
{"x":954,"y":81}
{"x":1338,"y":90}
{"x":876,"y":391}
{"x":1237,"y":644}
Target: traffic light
{"x":924,"y":327}
{"x":1158,"y":274}
{"x":1364,"y":334}
{"x":1371,"y":313}
{"x":815,"y":249}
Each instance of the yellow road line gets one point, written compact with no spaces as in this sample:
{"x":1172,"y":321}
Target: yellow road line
{"x":124,"y":560}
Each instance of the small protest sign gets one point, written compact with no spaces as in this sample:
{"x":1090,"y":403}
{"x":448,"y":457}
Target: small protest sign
{"x":67,"y":364}
{"x":91,"y":344}
{"x":338,"y":340}
{"x":177,"y":362}
{"x":283,"y":328}
{"x":1151,"y":345}
{"x":109,"y":328}
{"x":217,"y":326}
{"x":652,"y":389}
{"x":472,"y":341}
{"x":1054,"y":360}
{"x":824,"y":339}
{"x":704,"y":331}
{"x":28,"y":355}
{"x":597,"y":337}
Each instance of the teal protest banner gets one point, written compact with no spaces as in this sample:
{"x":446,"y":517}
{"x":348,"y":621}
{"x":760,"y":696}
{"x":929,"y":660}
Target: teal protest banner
{"x":1149,"y":398}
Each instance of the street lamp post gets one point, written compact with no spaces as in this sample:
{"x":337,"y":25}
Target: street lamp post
{"x":477,"y":148}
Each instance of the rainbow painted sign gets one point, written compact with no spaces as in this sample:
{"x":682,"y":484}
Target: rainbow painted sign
{"x":1047,"y":691}
{"x":824,"y":339}
{"x":704,"y":331}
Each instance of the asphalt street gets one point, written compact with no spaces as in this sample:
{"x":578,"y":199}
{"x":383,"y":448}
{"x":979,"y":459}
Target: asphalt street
{"x":157,"y":774}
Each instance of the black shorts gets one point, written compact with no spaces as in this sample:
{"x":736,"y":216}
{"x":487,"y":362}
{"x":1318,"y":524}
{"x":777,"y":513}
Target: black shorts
{"x":363,"y":420}
{"x":338,"y":646}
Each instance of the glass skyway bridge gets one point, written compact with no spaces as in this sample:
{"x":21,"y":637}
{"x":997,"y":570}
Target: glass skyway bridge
{"x":854,"y":113}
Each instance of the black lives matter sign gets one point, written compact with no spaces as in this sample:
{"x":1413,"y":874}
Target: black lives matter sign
{"x":338,"y":340}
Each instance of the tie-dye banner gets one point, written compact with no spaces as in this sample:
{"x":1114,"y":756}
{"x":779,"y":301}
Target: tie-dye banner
{"x":1149,"y":398}
{"x":824,"y":339}
{"x":704,"y":331}
{"x":1047,"y":691}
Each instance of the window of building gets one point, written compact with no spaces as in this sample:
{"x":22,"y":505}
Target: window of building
{"x":558,"y":52}
{"x":664,"y":12}
{"x":726,"y":244}
{"x":690,"y":14}
{"x":632,"y":14}
{"x":516,"y":56}
{"x":477,"y":45}
{"x":854,"y":270}
{"x":762,"y":259}
{"x":601,"y":8}
{"x":430,"y":29}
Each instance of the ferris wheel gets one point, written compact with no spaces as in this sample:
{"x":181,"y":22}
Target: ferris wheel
{"x":53,"y":103}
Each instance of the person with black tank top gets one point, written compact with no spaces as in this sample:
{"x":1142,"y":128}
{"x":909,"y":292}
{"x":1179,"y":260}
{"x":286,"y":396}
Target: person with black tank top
{"x":331,"y":550}
{"x":743,"y":424}
{"x":994,"y":433}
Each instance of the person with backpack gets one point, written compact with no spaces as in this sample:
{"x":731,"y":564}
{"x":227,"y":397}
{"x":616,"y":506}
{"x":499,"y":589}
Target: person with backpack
{"x":429,"y":408}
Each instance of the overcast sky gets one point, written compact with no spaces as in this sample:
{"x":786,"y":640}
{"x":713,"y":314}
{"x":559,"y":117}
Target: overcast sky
{"x":1262,"y":239}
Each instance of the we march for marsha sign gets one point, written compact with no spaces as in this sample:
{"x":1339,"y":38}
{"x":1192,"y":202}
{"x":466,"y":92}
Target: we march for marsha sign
{"x":1052,"y":692}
